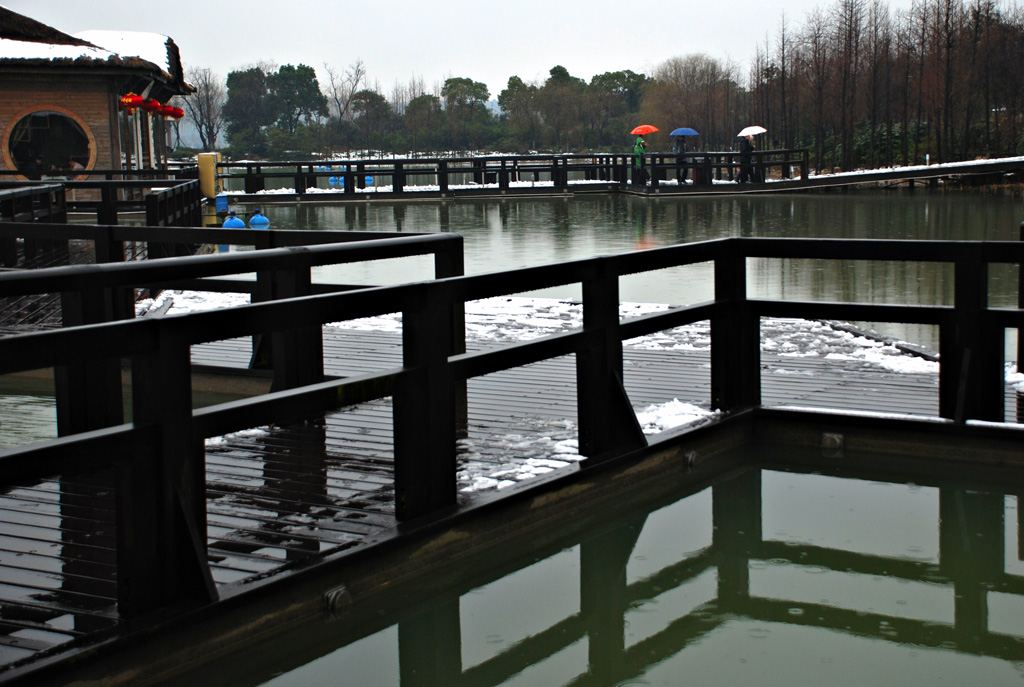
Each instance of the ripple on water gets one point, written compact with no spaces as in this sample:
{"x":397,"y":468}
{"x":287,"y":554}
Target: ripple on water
{"x":26,"y":419}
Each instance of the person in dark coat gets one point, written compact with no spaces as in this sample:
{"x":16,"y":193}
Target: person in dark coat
{"x":746,"y":155}
{"x":33,"y":169}
{"x":679,"y":150}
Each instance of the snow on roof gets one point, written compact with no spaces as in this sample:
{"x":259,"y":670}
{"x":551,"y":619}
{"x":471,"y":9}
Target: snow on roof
{"x":151,"y":47}
{"x":32,"y":50}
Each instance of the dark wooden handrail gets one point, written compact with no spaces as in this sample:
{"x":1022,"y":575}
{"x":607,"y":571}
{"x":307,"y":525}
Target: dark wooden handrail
{"x":165,"y":438}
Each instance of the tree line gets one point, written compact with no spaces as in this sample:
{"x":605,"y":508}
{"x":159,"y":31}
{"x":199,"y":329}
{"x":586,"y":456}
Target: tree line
{"x":855,"y":83}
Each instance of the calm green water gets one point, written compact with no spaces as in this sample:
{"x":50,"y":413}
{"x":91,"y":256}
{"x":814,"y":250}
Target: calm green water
{"x":765,"y":578}
{"x":503,"y":235}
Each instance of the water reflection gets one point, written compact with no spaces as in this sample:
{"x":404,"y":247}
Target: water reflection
{"x":768,"y":577}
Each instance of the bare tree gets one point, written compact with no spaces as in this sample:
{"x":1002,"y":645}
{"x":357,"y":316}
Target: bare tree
{"x":341,"y":88}
{"x":848,"y":16}
{"x":205,"y":107}
{"x":816,"y":67}
{"x":784,"y":59}
{"x":696,"y":91}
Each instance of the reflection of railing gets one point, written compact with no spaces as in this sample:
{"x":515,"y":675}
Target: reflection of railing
{"x":162,"y":484}
{"x":722,"y":578}
{"x":971,"y":565}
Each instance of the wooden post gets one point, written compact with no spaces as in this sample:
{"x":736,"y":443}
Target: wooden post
{"x":88,"y":395}
{"x":450,"y":262}
{"x":442,"y":176}
{"x":607,"y":421}
{"x":971,"y":375}
{"x":297,"y":355}
{"x":254,"y":181}
{"x":735,"y":338}
{"x":398,"y":178}
{"x":161,"y":495}
{"x":107,"y":213}
{"x":503,"y":176}
{"x":1020,"y":306}
{"x":424,"y":420}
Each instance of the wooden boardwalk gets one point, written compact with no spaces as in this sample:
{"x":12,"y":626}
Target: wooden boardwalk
{"x":280,"y":496}
{"x":667,"y":185}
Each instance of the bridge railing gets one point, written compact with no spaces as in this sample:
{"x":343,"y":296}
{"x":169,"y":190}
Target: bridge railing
{"x":703,"y":168}
{"x":401,"y":175}
{"x":159,"y":456}
{"x":45,"y":203}
{"x":107,"y":198}
{"x":559,"y":171}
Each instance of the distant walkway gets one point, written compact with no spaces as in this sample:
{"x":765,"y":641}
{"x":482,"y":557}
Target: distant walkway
{"x":574,"y":175}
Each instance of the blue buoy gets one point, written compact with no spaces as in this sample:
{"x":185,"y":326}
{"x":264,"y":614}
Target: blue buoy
{"x":258,"y":220}
{"x":369,"y":181}
{"x":233,"y":221}
{"x":333,"y":181}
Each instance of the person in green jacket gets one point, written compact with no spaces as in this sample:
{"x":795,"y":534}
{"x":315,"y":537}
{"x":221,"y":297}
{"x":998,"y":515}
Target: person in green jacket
{"x":639,"y":148}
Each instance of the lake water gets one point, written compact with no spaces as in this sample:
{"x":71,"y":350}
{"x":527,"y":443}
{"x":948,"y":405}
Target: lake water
{"x":766,"y":577}
{"x":507,"y":234}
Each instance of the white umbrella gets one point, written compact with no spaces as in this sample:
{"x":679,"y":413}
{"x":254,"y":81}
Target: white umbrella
{"x":752,"y":131}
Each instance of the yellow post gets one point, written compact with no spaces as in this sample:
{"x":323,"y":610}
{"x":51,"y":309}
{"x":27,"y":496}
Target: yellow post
{"x":208,"y":181}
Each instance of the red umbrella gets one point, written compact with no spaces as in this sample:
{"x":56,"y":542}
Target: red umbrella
{"x":643,"y":130}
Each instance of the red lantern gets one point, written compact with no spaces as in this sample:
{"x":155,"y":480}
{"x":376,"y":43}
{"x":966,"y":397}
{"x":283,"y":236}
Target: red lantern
{"x":130,"y":102}
{"x":151,"y":105}
{"x":178,"y":113}
{"x":166,"y":111}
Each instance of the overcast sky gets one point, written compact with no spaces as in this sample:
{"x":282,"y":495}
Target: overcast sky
{"x":484,"y":41}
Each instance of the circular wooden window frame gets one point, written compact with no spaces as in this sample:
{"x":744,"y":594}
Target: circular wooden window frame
{"x":13,"y":122}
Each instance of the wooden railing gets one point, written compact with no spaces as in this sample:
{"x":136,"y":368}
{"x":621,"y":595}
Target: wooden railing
{"x":178,"y":201}
{"x":159,"y":456}
{"x":557,"y":171}
{"x":43,"y":203}
{"x":702,"y":168}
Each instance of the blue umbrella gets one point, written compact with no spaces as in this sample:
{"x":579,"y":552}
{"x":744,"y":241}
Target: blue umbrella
{"x":684,"y":131}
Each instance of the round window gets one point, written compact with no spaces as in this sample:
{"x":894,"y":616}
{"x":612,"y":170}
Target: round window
{"x":45,"y":141}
